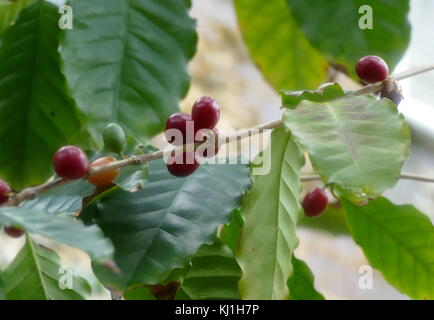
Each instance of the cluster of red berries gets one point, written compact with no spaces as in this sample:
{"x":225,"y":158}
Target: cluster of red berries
{"x":182,"y":128}
{"x":371,"y":69}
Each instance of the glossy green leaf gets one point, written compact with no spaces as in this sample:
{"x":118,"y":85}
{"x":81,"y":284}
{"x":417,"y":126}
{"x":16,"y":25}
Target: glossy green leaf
{"x":278,"y":47}
{"x":326,"y":92}
{"x":271,"y":211}
{"x":357,"y":142}
{"x":213,"y":275}
{"x":36,"y":114}
{"x":332,"y":27}
{"x":159,"y":228}
{"x":66,"y":198}
{"x":9,"y":10}
{"x":126,"y":61}
{"x":62,"y":228}
{"x":37,"y":274}
{"x":398,"y":241}
{"x":301,"y":283}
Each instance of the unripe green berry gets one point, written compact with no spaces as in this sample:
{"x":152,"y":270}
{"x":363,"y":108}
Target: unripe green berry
{"x":114,"y":138}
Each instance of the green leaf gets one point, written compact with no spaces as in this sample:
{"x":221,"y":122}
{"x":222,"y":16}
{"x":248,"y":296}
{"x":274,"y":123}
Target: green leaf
{"x":301,"y":283}
{"x":332,"y":27}
{"x":271,"y":211}
{"x":398,"y":241}
{"x":61,"y":228}
{"x":126,"y":61}
{"x":66,"y":198}
{"x":213,"y":275}
{"x":332,"y":220}
{"x":326,"y":92}
{"x":9,"y":11}
{"x":230,"y":233}
{"x":36,"y":114}
{"x":278,"y":46}
{"x":357,"y":142}
{"x":2,"y":288}
{"x":36,"y":274}
{"x":159,"y":228}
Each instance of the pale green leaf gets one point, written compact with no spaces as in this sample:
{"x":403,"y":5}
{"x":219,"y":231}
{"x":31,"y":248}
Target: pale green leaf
{"x":271,"y":211}
{"x":357,"y":142}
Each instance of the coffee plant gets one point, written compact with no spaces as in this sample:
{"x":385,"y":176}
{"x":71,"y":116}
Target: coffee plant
{"x":79,"y":104}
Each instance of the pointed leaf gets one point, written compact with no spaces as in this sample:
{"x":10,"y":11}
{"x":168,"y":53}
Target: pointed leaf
{"x":213,"y":275}
{"x":36,"y":114}
{"x":301,"y":283}
{"x":36,"y":274}
{"x":271,"y":211}
{"x":62,"y":228}
{"x":159,"y":228}
{"x":398,"y":241}
{"x":126,"y":61}
{"x":333,"y":28}
{"x":278,"y":46}
{"x":359,"y":143}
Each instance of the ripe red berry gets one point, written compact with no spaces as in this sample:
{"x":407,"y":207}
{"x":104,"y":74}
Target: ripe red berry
{"x":182,"y":122}
{"x":205,"y":113}
{"x":202,"y":136}
{"x":4,"y":192}
{"x":183,"y":164}
{"x":315,"y":202}
{"x":13,"y":232}
{"x":372,"y":69}
{"x":70,"y":162}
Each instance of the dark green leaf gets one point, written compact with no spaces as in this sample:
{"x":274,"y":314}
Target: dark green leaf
{"x":36,"y":114}
{"x":214,"y":275}
{"x":9,"y":10}
{"x":126,"y":61}
{"x":357,"y":142}
{"x":278,"y":46}
{"x":37,"y":274}
{"x":62,"y":228}
{"x":398,"y":241}
{"x":2,"y":288}
{"x":301,"y":283}
{"x":326,"y":92}
{"x":159,"y":228}
{"x":333,"y":28}
{"x":271,"y":211}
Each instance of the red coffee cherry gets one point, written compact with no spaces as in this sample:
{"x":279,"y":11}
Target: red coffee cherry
{"x":70,"y":162}
{"x":183,"y":164}
{"x":182,"y":122}
{"x":372,"y":69}
{"x":13,"y":232}
{"x":4,"y":192}
{"x":315,"y":202}
{"x":205,"y":113}
{"x":202,"y":136}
